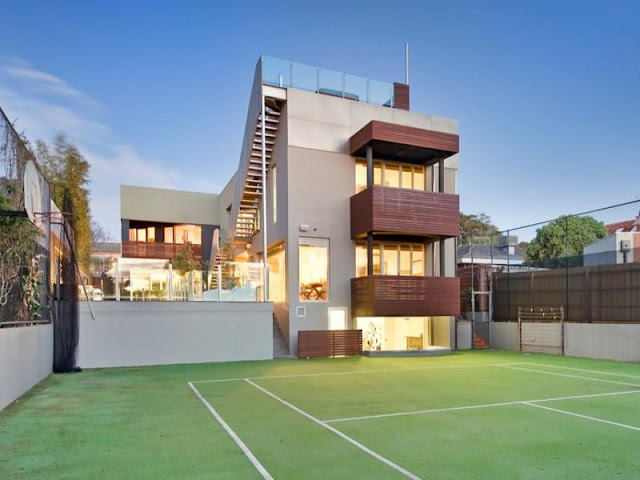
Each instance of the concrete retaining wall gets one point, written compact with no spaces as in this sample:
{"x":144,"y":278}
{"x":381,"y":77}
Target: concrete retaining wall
{"x":599,"y":340}
{"x":610,"y":341}
{"x":162,"y":333}
{"x":504,"y":335}
{"x":26,"y":358}
{"x":463,"y":340}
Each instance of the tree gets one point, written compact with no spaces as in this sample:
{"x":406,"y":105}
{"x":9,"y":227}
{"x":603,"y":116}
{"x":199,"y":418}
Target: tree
{"x":479,"y":226}
{"x":564,"y":237}
{"x":18,"y":272}
{"x":98,"y":233}
{"x":68,"y":174}
{"x":183,"y":261}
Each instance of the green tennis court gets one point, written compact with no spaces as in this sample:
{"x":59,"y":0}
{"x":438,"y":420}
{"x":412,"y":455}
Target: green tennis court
{"x":481,"y":414}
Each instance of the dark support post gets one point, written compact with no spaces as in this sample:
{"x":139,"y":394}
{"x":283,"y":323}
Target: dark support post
{"x":442,"y":258}
{"x":441,"y":175}
{"x":369,"y":166}
{"x":509,"y":277}
{"x":369,"y":254}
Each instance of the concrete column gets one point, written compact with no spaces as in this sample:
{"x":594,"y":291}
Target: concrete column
{"x":441,"y":175}
{"x":369,"y":166}
{"x":369,"y":254}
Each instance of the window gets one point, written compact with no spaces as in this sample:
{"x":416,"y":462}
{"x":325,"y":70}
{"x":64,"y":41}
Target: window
{"x":361,"y":176}
{"x":390,"y":255}
{"x":168,"y":235}
{"x":361,"y":260}
{"x":397,"y":259}
{"x":313,"y":276}
{"x":151,"y":234}
{"x":188,"y":234}
{"x":337,"y":318}
{"x":277,"y":279}
{"x":133,"y":237}
{"x":407,"y":177}
{"x":274,"y":194}
{"x":142,"y":235}
{"x":390,"y":174}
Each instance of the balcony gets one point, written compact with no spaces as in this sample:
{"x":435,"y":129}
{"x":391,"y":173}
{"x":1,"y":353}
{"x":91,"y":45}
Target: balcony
{"x":156,"y":250}
{"x":404,"y":212}
{"x":387,"y":296}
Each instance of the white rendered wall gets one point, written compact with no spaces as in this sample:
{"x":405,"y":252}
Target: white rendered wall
{"x":26,"y":358}
{"x":161,"y":333}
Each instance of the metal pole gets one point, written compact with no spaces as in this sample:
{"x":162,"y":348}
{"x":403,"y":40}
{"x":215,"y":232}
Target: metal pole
{"x":265,"y":273}
{"x":369,"y":166}
{"x":473,"y":289}
{"x":566,"y":266}
{"x":491,"y":279}
{"x":406,"y":63}
{"x":508,"y":277}
{"x":219,"y":273}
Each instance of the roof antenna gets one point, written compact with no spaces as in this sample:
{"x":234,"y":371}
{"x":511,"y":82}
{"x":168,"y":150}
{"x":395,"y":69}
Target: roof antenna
{"x":406,"y":63}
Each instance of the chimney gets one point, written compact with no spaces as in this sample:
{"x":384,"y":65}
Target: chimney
{"x":508,"y":244}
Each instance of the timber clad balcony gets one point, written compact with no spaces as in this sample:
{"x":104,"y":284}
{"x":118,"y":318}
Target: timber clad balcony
{"x":156,"y":250}
{"x":380,"y":296}
{"x":406,"y":212}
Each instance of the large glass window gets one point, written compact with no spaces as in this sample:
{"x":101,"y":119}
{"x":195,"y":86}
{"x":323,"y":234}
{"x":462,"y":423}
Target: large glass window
{"x":133,"y":235}
{"x":397,"y":259}
{"x":313,"y":276}
{"x":151,"y":234}
{"x":188,"y":234}
{"x":142,"y":235}
{"x":391,"y":174}
{"x":277,"y":279}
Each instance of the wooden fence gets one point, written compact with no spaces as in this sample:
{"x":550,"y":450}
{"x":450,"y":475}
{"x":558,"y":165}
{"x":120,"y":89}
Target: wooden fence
{"x":609,"y":293}
{"x":329,"y":343}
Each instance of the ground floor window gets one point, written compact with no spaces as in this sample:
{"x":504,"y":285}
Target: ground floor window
{"x":313,"y":276}
{"x":403,"y":333}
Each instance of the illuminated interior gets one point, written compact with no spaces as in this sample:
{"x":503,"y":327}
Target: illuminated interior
{"x":391,"y":174}
{"x":277,"y":275}
{"x":397,"y":259}
{"x":314,"y":269}
{"x":403,"y":333}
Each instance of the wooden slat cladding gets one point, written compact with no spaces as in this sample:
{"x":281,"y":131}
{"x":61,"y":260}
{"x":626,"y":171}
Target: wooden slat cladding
{"x":403,"y":135}
{"x":382,"y":295}
{"x":156,"y":250}
{"x":400,"y":211}
{"x":329,"y":343}
{"x":401,"y":96}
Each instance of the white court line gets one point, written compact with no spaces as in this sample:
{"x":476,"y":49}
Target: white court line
{"x":579,"y":369}
{"x":323,"y":374}
{"x":353,"y":442}
{"x":474,"y":407}
{"x":232,"y":434}
{"x":571,"y":376}
{"x":586,"y":417}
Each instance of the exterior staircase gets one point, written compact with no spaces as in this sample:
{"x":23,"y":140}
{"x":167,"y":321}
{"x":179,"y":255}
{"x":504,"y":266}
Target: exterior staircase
{"x":280,"y":347}
{"x":479,"y":342}
{"x":253,"y":185}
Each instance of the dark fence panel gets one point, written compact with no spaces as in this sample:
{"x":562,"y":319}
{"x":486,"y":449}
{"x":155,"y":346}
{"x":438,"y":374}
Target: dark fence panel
{"x":608,"y":293}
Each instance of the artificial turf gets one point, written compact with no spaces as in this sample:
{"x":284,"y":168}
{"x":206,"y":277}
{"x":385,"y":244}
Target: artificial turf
{"x":139,"y":423}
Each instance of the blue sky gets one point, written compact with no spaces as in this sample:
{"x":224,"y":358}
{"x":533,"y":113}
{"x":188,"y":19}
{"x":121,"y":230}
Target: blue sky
{"x":155,"y":93}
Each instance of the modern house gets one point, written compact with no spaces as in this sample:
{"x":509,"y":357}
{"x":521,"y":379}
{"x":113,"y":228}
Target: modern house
{"x":351,"y":195}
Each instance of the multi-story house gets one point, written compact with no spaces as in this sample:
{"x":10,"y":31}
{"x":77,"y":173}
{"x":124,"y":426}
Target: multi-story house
{"x":353,"y":198}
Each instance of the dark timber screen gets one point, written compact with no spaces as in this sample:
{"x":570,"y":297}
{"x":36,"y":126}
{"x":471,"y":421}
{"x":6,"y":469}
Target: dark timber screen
{"x":329,"y":343}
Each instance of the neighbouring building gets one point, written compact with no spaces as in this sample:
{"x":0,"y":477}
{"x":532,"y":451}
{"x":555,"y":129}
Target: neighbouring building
{"x":358,"y":197}
{"x":621,"y":245}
